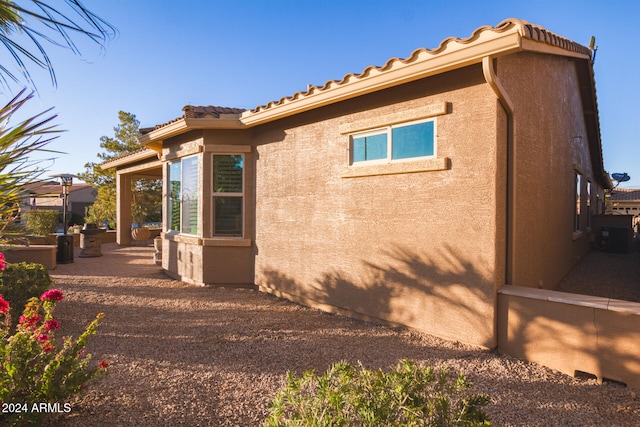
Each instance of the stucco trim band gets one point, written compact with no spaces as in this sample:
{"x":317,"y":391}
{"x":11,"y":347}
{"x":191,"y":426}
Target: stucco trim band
{"x":424,"y":112}
{"x":230,"y":241}
{"x":427,"y":165}
{"x":226,"y":148}
{"x":210,"y":241}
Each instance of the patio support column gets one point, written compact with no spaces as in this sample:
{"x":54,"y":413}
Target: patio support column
{"x":124,"y":197}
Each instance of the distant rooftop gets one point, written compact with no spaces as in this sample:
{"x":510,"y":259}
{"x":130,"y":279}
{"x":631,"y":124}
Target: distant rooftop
{"x":620,"y":194}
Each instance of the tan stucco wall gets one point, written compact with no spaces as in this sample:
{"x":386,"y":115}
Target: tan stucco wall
{"x":202,"y":259}
{"x":572,"y":333}
{"x":550,"y":143}
{"x":417,"y":249}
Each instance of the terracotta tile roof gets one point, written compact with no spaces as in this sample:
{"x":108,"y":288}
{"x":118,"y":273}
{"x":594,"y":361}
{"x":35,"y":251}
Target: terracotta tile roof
{"x":625,"y":194}
{"x":51,"y":187}
{"x":197,"y":112}
{"x":194,"y":112}
{"x":526,"y":29}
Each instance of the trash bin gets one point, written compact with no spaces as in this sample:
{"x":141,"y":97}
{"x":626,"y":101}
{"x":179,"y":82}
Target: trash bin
{"x":64,"y":253}
{"x":90,"y":241}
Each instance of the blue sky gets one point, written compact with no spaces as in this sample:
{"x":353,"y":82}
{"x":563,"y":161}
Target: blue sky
{"x":246,"y":53}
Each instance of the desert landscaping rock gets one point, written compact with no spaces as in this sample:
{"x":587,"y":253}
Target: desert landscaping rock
{"x":193,"y":356}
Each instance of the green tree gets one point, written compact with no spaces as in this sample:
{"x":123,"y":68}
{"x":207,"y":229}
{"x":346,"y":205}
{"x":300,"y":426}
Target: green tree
{"x":147,"y":193}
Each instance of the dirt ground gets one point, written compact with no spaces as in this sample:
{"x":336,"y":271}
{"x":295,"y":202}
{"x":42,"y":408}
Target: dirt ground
{"x":194,"y":356}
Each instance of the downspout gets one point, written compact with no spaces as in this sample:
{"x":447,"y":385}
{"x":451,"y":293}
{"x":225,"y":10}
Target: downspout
{"x":488,"y":69}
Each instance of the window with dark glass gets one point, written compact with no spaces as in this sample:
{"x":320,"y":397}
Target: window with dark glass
{"x":228,"y":194}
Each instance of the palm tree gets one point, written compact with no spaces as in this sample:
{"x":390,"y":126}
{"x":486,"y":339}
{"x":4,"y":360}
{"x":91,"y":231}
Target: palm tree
{"x":17,"y":142}
{"x":23,"y":29}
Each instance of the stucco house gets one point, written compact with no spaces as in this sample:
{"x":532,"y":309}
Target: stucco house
{"x":48,"y":195}
{"x":409,"y":193}
{"x":625,"y":201}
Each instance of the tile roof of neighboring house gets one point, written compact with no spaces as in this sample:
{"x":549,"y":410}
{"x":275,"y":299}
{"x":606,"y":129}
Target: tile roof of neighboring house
{"x":44,"y":188}
{"x":620,"y":194}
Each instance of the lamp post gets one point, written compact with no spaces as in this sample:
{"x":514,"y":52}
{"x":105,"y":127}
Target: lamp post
{"x":65,"y":245}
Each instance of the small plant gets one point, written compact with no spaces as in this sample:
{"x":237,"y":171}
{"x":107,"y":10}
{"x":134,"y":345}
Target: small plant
{"x":350,"y":395}
{"x":35,"y":370}
{"x":41,"y":222}
{"x":22,"y":281}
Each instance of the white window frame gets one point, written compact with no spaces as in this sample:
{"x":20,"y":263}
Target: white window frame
{"x":388,"y":130}
{"x":578,"y":179}
{"x":241,"y":196}
{"x":181,"y":198}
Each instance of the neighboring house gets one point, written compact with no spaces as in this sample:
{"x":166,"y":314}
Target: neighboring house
{"x":48,"y":195}
{"x":625,"y":201}
{"x":409,"y":193}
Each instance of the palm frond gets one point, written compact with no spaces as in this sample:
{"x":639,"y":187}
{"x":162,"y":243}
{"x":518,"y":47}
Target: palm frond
{"x":55,"y":27}
{"x":17,"y":144}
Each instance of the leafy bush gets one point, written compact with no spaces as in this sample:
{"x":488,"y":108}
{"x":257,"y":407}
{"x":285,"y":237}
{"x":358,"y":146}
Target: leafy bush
{"x":22,"y":281}
{"x":350,"y":395}
{"x":41,"y":222}
{"x":35,"y":370}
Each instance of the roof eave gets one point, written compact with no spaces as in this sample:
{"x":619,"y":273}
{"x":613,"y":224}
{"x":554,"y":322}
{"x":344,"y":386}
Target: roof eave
{"x":456,"y":55}
{"x":128,"y":159}
{"x":153,"y":139}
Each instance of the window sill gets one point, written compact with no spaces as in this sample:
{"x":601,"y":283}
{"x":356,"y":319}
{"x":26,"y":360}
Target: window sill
{"x":435,"y":164}
{"x":227,"y":241}
{"x":182,"y":238}
{"x":211,"y":241}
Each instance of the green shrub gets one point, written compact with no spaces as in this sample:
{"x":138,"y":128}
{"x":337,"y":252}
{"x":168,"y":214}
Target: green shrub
{"x":22,"y":281}
{"x":41,"y":222}
{"x":350,"y":395}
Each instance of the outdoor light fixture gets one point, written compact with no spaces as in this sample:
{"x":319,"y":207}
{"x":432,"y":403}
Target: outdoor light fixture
{"x":66,"y":181}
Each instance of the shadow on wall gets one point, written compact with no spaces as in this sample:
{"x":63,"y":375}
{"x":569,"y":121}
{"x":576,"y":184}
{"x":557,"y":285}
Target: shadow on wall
{"x":442,"y":294}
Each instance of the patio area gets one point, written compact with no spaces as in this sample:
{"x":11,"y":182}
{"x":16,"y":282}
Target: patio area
{"x":606,"y":274}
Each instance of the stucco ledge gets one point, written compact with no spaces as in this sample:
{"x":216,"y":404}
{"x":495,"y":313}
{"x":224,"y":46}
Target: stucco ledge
{"x":427,"y":165}
{"x":226,"y":242}
{"x":601,"y":303}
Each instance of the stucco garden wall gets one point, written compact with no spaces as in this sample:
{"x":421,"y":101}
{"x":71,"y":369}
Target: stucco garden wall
{"x":571,"y":333}
{"x":417,"y":249}
{"x":550,"y":143}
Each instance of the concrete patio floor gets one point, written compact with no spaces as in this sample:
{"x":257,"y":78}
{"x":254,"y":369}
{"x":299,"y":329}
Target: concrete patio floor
{"x":606,"y":274}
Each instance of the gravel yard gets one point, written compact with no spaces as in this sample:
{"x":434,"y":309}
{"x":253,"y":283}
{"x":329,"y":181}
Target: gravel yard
{"x":184,"y":355}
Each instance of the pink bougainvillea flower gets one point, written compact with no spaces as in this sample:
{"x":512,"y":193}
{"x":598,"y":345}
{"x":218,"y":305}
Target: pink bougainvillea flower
{"x":4,"y":305}
{"x":29,"y":321}
{"x":47,"y":348}
{"x":51,"y":295}
{"x":103,"y":364}
{"x":43,"y":338}
{"x":52,"y":325}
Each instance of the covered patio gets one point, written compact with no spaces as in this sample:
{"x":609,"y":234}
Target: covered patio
{"x":144,"y":163}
